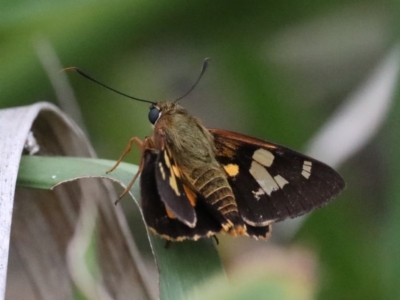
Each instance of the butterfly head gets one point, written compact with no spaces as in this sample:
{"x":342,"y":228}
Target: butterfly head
{"x":164,"y":109}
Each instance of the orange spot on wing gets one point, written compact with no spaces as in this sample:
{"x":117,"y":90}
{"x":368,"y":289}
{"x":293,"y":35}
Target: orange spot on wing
{"x":170,"y":214}
{"x":238,"y":230}
{"x":191,"y":195}
{"x":175,"y":169}
{"x":231,"y":169}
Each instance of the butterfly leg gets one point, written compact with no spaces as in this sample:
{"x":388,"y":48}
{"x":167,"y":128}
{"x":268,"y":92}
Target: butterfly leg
{"x":139,"y":144}
{"x":142,"y":145}
{"x":131,"y":183}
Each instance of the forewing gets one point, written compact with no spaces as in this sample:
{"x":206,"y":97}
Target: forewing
{"x":155,"y":213}
{"x":273,"y":182}
{"x":171,"y":189}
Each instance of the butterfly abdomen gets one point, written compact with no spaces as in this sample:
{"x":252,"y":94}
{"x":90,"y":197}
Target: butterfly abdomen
{"x":212,"y":184}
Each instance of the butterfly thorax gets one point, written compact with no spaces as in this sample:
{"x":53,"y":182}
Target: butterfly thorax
{"x":184,"y":137}
{"x":192,"y":149}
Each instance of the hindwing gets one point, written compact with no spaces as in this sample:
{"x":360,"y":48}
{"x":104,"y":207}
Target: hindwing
{"x":172,"y":191}
{"x":155,"y":206}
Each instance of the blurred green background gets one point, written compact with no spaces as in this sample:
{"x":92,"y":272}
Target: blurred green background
{"x":278,"y":72}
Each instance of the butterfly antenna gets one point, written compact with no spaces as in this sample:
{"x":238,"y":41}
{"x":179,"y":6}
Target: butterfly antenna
{"x":203,"y":70}
{"x":80,"y":72}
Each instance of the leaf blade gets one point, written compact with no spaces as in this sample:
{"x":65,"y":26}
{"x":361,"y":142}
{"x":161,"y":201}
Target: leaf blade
{"x":182,"y":267}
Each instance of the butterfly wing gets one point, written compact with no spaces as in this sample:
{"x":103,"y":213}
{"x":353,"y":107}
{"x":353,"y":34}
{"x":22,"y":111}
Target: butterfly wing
{"x":154,"y":207}
{"x":271,"y":182}
{"x":172,"y":191}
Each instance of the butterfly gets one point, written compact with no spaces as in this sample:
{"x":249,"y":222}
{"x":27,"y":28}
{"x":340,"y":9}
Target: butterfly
{"x":197,"y":182}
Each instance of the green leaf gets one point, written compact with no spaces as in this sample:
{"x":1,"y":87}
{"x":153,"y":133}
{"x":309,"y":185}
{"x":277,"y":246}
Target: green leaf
{"x":183,"y":267}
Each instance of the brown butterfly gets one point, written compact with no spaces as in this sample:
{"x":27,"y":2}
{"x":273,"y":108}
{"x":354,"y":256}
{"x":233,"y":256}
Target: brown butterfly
{"x":197,"y":182}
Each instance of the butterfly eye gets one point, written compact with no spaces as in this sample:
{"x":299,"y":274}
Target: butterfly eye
{"x":154,"y":114}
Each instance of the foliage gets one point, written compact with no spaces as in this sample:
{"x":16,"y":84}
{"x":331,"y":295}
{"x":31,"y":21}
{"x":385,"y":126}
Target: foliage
{"x":278,"y":71}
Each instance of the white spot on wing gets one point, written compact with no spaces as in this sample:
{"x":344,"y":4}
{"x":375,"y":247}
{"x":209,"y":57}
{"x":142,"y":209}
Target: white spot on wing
{"x":264,"y":179}
{"x":161,"y":170}
{"x":263,"y":157}
{"x":258,"y":193}
{"x":306,"y":169}
{"x":305,"y":174}
{"x":280,"y":181}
